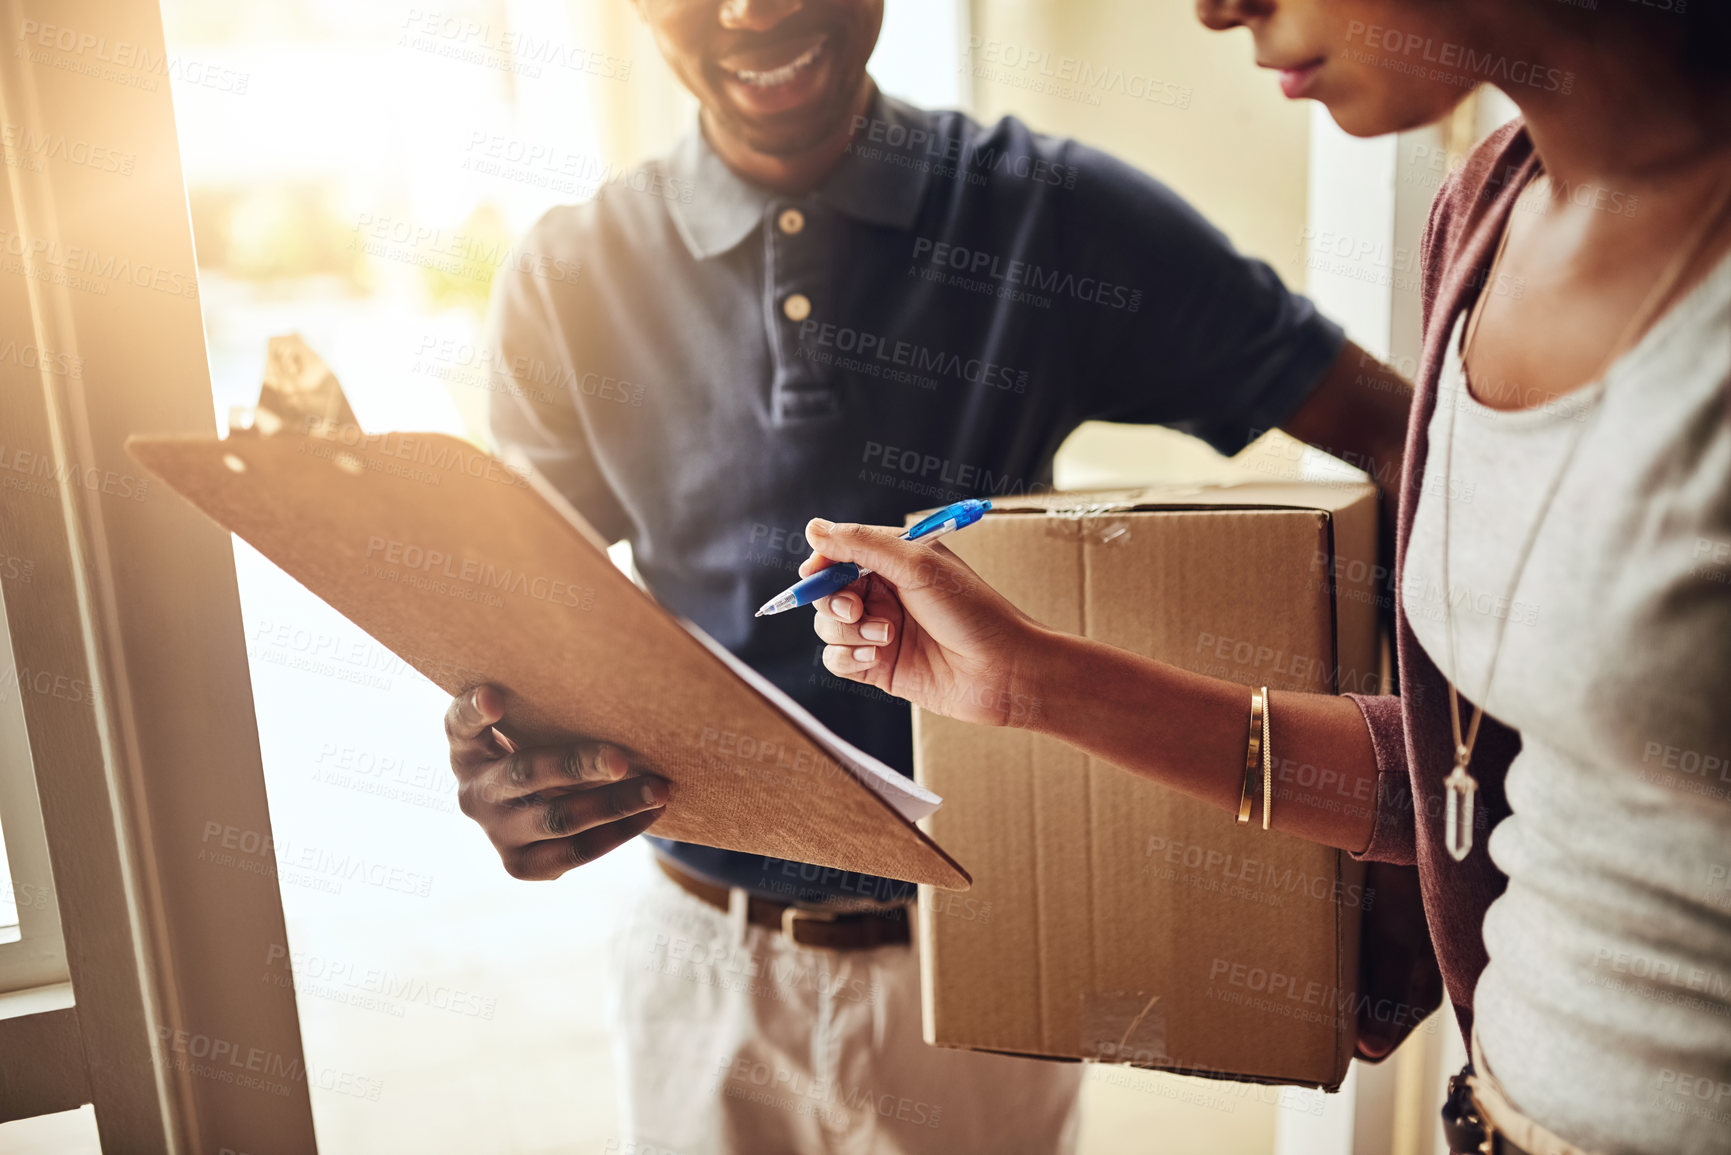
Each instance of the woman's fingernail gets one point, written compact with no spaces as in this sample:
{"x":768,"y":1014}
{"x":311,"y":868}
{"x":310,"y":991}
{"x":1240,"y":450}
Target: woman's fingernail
{"x":820,"y":527}
{"x":875,"y":631}
{"x":611,"y":762}
{"x":654,"y":792}
{"x":864,"y":653}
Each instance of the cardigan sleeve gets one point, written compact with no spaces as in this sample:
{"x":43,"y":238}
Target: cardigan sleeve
{"x":1393,"y":837}
{"x":1400,"y":980}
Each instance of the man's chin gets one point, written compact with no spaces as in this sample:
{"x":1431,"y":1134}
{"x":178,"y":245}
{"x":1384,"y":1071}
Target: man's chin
{"x":789,"y":134}
{"x":791,"y":140}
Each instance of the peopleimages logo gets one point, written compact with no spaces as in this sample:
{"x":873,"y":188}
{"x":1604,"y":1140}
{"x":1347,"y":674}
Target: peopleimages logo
{"x":947,"y":156}
{"x":321,"y":974}
{"x":1305,"y":1000}
{"x":47,"y":684}
{"x":802,"y":1092}
{"x":259,"y":852}
{"x":46,"y":360}
{"x":1450,"y":63}
{"x":85,"y":269}
{"x":861,"y":349}
{"x":456,"y":37}
{"x":120,"y":61}
{"x":547,"y":165}
{"x":453,"y":253}
{"x":1067,"y":77}
{"x":1255,"y":873}
{"x":44,"y":146}
{"x":962,"y":476}
{"x":484,"y":576}
{"x":40,"y":473}
{"x":1016,"y":275}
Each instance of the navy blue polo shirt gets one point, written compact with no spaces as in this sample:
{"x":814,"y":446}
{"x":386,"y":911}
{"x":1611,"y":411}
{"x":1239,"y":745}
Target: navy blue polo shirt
{"x":701,"y":365}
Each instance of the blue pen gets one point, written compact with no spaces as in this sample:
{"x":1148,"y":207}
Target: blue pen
{"x":832,"y":579}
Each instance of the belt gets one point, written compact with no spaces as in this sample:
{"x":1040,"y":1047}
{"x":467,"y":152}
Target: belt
{"x":1479,"y":1118}
{"x":1464,"y":1125}
{"x":822,"y":929}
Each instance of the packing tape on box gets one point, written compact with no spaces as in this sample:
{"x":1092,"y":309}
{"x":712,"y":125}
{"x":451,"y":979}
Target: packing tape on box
{"x":1105,"y":522}
{"x":1124,"y":1027}
{"x":1095,"y":523}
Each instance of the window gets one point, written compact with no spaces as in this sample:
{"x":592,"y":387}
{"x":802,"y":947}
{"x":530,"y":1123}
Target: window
{"x":32,"y":952}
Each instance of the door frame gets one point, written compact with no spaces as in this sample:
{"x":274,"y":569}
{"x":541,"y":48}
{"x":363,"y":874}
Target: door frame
{"x":143,"y":737}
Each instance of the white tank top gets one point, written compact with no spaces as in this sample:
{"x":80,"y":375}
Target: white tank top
{"x":1605,"y":1011}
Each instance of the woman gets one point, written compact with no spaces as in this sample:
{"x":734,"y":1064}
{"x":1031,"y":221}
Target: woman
{"x":1587,"y":947}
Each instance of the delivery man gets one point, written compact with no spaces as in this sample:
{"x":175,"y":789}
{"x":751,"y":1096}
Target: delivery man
{"x":828,"y":301}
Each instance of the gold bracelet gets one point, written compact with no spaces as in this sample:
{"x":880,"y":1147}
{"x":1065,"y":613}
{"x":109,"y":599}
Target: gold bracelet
{"x":1252,"y":754}
{"x":1267,"y":759}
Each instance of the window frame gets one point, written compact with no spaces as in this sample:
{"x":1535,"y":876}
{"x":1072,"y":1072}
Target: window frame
{"x":144,"y":736}
{"x":38,"y":957}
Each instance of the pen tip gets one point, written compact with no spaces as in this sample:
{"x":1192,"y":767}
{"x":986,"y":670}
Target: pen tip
{"x":758,"y":614}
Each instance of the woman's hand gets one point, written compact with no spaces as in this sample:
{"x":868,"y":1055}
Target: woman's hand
{"x":925,"y":627}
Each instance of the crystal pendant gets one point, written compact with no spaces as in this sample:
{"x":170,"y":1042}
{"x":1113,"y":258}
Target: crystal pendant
{"x":1458,"y":808}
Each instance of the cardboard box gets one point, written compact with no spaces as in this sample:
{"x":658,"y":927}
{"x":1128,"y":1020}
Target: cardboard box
{"x":1111,"y":918}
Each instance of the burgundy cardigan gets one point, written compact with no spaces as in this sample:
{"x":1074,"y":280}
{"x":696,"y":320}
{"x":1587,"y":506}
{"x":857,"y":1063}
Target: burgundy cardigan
{"x":1411,"y":733}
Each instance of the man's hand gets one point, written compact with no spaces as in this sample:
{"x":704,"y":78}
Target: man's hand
{"x":550,"y":809}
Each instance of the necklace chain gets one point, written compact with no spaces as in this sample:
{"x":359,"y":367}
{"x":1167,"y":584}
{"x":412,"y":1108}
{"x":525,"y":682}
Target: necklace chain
{"x":1461,"y":786}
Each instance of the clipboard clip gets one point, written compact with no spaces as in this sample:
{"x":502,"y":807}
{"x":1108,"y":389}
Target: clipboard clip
{"x":299,"y":393}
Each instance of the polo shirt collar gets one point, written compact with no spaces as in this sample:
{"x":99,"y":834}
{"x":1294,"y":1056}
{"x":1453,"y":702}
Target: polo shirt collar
{"x":872,"y":188}
{"x":725,"y":208}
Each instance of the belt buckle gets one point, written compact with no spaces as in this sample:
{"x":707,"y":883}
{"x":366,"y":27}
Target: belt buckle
{"x":1464,"y":1124}
{"x":1490,"y":1144}
{"x":792,"y":916}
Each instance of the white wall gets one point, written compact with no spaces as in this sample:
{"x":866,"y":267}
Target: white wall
{"x":918,"y":54}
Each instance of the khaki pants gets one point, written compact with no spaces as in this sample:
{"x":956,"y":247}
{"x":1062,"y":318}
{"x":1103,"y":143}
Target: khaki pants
{"x":728,"y":1038}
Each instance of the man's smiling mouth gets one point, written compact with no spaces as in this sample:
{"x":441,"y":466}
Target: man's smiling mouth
{"x":781,"y":74}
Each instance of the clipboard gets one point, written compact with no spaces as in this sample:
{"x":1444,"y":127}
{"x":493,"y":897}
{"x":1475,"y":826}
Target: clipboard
{"x":472,"y":572}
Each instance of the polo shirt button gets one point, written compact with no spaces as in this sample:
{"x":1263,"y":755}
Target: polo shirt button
{"x":792,"y":221}
{"x":797,"y":307}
